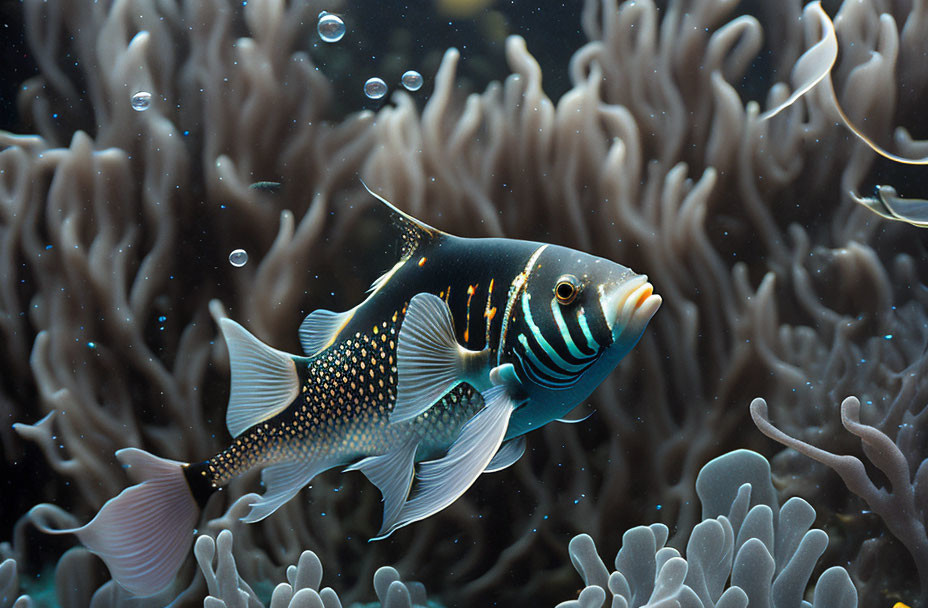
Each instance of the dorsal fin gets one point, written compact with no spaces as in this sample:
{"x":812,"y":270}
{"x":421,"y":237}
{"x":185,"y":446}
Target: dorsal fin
{"x":264,"y":380}
{"x":320,"y":328}
{"x":414,"y":232}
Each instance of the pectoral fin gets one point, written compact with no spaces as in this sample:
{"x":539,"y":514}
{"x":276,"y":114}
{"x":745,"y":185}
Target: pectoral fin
{"x":429,"y":361}
{"x":442,"y":481}
{"x":392,"y":474}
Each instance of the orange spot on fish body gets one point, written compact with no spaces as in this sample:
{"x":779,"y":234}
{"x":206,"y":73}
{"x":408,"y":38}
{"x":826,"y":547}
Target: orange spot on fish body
{"x":488,"y":315}
{"x":422,"y":261}
{"x":471,"y":290}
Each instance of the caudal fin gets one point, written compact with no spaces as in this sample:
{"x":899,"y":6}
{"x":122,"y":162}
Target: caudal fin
{"x":144,"y":533}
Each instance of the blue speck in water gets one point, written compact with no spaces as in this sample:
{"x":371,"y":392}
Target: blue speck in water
{"x":888,"y":337}
{"x":91,"y":345}
{"x":47,"y":247}
{"x":162,"y":319}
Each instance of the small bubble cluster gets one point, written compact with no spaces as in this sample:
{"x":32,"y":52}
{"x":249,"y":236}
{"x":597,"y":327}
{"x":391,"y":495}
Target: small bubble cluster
{"x":141,"y":101}
{"x":238,"y":258}
{"x":330,"y":27}
{"x":375,"y":88}
{"x":412,"y":80}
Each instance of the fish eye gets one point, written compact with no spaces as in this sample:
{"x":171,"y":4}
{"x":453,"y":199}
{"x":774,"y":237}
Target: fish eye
{"x":566,"y":289}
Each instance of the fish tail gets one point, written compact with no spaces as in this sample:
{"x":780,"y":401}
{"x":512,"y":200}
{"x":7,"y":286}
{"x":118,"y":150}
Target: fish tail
{"x":145,"y":533}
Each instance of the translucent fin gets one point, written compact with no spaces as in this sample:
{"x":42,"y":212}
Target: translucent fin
{"x":143,"y":534}
{"x":320,"y":328}
{"x":284,"y":481}
{"x":508,"y":454}
{"x":429,"y":361}
{"x":392,"y":474}
{"x":264,"y":380}
{"x":442,"y":481}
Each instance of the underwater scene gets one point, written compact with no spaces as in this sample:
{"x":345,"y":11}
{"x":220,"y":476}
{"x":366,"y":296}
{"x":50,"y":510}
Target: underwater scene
{"x":464,"y":303}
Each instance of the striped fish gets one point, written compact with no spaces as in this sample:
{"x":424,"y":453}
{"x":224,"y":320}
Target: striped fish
{"x":458,"y":351}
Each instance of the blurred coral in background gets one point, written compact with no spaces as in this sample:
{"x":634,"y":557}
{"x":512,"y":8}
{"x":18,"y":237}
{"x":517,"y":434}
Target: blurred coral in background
{"x":116,"y":227}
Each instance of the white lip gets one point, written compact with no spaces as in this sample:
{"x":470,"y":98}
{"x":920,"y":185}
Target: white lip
{"x":633,"y":304}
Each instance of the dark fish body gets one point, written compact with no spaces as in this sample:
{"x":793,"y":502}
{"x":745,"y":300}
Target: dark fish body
{"x":348,"y":389}
{"x":459,"y":350}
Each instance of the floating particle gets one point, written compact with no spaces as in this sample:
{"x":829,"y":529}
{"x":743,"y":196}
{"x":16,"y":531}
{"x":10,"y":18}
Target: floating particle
{"x":412,"y":80}
{"x":331,"y":28}
{"x":375,"y":88}
{"x":238,"y":258}
{"x":141,"y":101}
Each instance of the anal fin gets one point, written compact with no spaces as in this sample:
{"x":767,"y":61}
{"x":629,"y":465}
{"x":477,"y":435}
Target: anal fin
{"x":392,"y":473}
{"x":442,"y":481}
{"x":284,"y":481}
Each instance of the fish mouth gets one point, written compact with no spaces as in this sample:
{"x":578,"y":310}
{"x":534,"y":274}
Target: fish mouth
{"x":630,"y":306}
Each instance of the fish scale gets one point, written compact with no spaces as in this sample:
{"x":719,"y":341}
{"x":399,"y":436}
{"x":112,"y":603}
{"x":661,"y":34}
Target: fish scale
{"x":461,"y":349}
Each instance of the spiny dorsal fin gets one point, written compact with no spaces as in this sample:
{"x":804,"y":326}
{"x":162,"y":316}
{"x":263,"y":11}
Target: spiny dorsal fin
{"x":415,"y":232}
{"x":264,"y":380}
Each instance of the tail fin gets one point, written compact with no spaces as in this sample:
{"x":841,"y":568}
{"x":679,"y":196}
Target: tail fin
{"x":144,"y":533}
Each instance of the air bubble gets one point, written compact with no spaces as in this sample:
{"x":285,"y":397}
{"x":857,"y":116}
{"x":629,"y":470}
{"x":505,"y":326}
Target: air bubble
{"x":141,"y":101}
{"x":238,"y":258}
{"x":412,"y":80}
{"x":330,"y":27}
{"x":375,"y":88}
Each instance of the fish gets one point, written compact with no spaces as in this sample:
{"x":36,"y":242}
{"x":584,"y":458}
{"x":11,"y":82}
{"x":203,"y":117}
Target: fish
{"x":458,"y":351}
